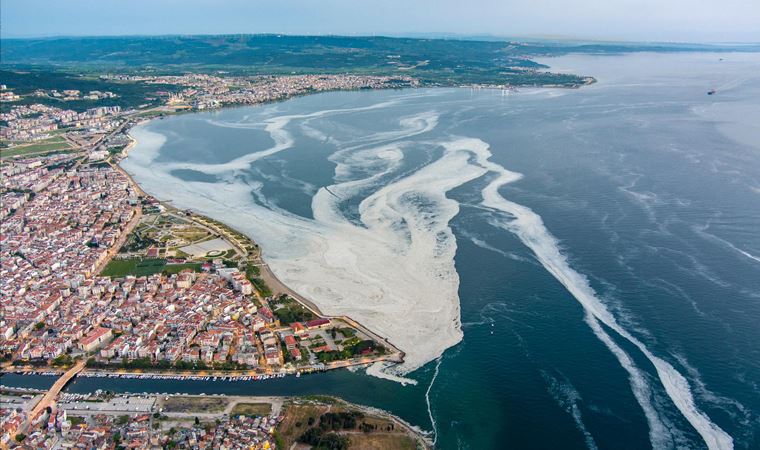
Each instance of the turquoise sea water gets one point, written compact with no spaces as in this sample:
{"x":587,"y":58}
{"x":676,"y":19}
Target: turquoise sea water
{"x":610,"y":298}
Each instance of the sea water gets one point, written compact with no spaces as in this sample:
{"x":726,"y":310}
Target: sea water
{"x":563,"y":268}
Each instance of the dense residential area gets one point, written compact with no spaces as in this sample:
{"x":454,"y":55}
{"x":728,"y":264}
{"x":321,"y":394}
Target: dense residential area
{"x":97,"y":279}
{"x":37,"y":114}
{"x":64,"y":225}
{"x":93,"y":269}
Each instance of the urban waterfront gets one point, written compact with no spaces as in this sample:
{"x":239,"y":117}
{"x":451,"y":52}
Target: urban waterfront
{"x":649,"y":186}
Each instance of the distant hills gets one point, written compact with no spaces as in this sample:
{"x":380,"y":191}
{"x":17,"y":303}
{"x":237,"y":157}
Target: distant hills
{"x":433,"y":61}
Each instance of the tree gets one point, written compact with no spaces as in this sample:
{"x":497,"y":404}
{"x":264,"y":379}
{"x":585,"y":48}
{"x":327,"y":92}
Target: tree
{"x":197,"y":420}
{"x":311,"y":436}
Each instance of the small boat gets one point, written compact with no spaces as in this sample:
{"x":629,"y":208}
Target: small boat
{"x":711,"y":92}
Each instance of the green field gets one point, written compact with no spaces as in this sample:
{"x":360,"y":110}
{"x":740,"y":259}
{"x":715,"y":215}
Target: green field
{"x":177,"y":268}
{"x":193,"y":404}
{"x":118,"y":268}
{"x":54,"y":144}
{"x":252,"y":409}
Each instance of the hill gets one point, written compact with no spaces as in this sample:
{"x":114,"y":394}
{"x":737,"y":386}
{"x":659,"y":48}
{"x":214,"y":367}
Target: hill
{"x":433,"y":61}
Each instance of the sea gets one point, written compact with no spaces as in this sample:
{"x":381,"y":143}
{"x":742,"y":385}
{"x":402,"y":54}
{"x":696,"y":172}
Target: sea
{"x":565,"y":268}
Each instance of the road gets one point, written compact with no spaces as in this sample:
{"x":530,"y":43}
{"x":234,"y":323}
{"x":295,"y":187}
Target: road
{"x":114,"y":249}
{"x":55,"y":389}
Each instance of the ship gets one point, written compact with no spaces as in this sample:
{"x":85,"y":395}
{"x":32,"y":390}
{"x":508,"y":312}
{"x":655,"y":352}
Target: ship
{"x":711,"y":92}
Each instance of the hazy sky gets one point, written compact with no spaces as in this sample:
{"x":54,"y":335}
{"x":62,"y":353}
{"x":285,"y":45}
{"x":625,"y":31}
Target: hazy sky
{"x":668,"y":20}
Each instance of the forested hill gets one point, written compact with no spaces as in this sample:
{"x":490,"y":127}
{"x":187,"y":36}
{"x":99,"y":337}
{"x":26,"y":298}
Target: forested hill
{"x":434,"y":61}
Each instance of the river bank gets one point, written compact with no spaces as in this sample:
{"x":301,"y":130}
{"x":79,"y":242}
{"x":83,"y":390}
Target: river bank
{"x":287,"y":417}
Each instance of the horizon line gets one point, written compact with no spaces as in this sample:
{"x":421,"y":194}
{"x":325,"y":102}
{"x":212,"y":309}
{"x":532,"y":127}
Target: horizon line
{"x":411,"y":35}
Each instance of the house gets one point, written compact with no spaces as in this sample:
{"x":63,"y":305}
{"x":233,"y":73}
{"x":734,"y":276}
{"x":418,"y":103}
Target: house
{"x":298,"y":328}
{"x":95,"y":339}
{"x":272,"y":356}
{"x":317,"y":323}
{"x":290,"y":342}
{"x":267,"y":314}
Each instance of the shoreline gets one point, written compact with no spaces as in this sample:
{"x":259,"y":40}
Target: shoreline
{"x":276,"y":285}
{"x":395,"y":357}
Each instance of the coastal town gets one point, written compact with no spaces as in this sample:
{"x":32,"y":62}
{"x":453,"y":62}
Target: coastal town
{"x":34,"y":118}
{"x":100,"y":279}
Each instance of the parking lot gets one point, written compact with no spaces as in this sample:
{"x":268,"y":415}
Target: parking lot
{"x":130,"y":405}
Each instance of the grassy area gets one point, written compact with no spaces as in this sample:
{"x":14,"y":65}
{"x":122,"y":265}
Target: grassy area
{"x":118,"y":268}
{"x":138,"y":267}
{"x":370,"y":441}
{"x":193,"y":236}
{"x":252,"y":409}
{"x":177,"y":268}
{"x":288,"y":310}
{"x":296,"y":421}
{"x":54,"y":144}
{"x":366,"y":432}
{"x":76,"y":420}
{"x":195,"y":404}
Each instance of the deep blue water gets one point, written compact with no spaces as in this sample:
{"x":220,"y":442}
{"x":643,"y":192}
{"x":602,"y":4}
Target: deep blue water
{"x":652,"y":191}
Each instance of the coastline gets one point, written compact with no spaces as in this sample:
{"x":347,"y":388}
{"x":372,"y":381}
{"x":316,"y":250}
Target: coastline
{"x":266,"y":273}
{"x":395,"y":357}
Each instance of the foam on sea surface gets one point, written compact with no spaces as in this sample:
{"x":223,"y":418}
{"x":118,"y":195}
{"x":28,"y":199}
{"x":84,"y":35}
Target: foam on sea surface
{"x":394,"y":272}
{"x":528,"y":226}
{"x":391,"y":267}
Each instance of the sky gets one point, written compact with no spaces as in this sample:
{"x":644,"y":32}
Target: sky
{"x":633,"y":20}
